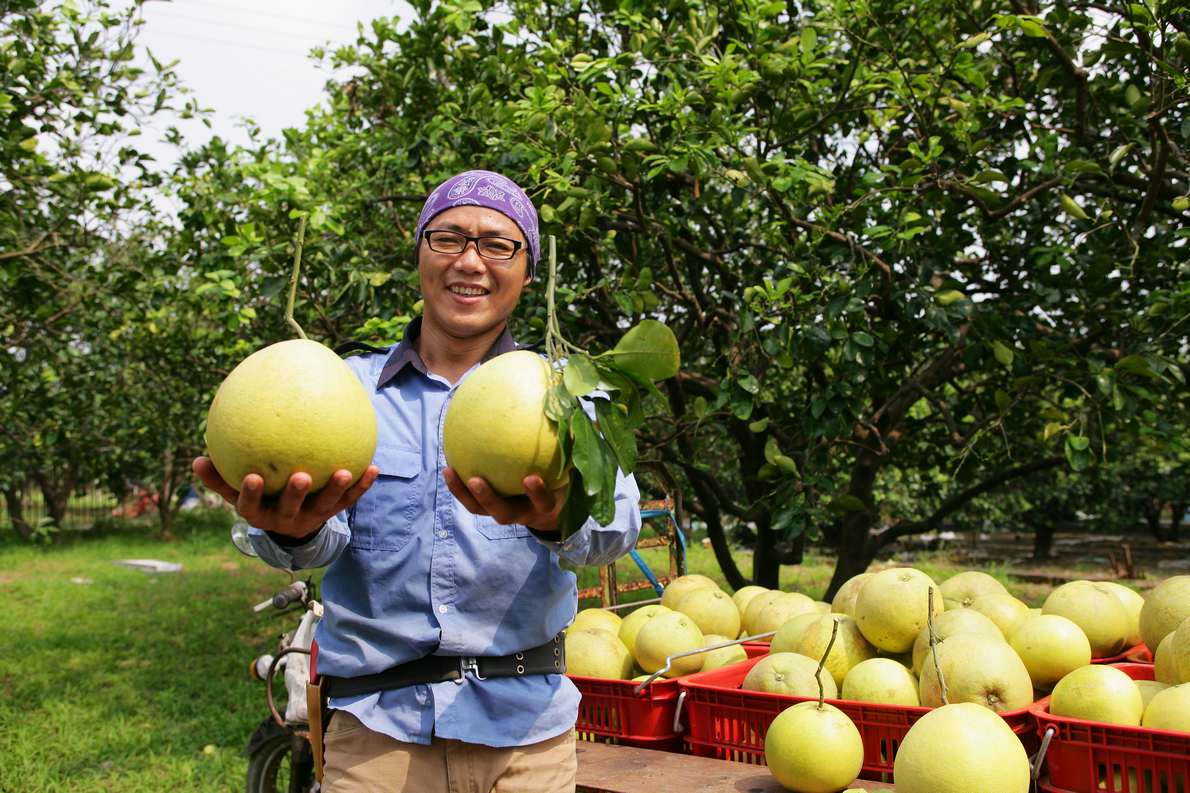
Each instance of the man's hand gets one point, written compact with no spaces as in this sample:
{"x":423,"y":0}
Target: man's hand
{"x":538,"y":509}
{"x":290,"y":513}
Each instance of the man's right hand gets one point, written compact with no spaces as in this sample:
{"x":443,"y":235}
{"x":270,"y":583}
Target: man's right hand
{"x":291,"y":513}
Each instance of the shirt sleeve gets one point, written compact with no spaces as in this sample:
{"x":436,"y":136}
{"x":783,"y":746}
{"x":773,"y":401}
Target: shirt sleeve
{"x":594,"y":545}
{"x":323,"y":548}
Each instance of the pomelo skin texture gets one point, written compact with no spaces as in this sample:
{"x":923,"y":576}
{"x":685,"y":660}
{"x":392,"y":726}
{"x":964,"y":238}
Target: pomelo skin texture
{"x":1097,"y":610}
{"x":1169,"y":710}
{"x":891,"y":607}
{"x":1098,"y":692}
{"x":961,"y":748}
{"x":292,"y":406}
{"x":983,"y":670}
{"x":800,"y":740}
{"x":1164,"y":609}
{"x":496,"y":427}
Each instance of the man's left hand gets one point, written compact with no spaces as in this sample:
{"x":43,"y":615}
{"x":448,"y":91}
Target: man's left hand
{"x":538,"y":508}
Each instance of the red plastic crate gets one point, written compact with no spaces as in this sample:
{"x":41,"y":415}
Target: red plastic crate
{"x":1086,"y":756}
{"x":611,"y":713}
{"x":1132,"y":654}
{"x":730,"y":724}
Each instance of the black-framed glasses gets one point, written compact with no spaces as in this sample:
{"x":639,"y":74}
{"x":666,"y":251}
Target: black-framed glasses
{"x":453,"y":242}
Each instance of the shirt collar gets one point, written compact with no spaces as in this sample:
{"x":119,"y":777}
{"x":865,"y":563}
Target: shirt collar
{"x":405,"y":353}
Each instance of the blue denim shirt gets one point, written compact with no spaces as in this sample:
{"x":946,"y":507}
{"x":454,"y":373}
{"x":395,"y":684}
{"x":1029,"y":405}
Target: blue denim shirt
{"x":410,"y":573}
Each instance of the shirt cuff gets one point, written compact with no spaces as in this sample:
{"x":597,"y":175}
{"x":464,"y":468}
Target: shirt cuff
{"x":285,"y":541}
{"x":546,"y":536}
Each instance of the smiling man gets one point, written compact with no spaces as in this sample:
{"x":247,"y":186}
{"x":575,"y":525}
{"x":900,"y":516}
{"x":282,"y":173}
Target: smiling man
{"x":445,"y":604}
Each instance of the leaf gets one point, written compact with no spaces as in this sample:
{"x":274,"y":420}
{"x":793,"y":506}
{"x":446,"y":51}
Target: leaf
{"x":588,"y":452}
{"x":1073,"y":209}
{"x":1135,"y":364}
{"x":759,"y":426}
{"x":1003,"y":353}
{"x":1078,"y":442}
{"x":1052,"y":429}
{"x":580,"y":376}
{"x":559,"y":404}
{"x":1082,"y":166}
{"x":575,"y":509}
{"x":649,"y":351}
{"x":948,"y":296}
{"x":620,"y":439}
{"x":845,"y":503}
{"x":771,"y":451}
{"x":749,"y":384}
{"x":741,"y":403}
{"x":1003,"y":400}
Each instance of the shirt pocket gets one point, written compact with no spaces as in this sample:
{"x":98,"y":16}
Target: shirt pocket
{"x":494,"y":531}
{"x":384,"y":516}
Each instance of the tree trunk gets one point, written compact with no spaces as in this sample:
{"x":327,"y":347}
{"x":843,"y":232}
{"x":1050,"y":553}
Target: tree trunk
{"x":175,"y":469}
{"x":710,"y":511}
{"x":16,"y":512}
{"x":1043,"y":538}
{"x":766,"y":561}
{"x":1175,"y":520}
{"x":1151,"y":509}
{"x":57,"y":485}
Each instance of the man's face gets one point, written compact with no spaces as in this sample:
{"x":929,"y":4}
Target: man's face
{"x":467,"y":295}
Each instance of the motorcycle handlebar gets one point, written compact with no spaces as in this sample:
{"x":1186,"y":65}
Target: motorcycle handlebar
{"x":294,"y":593}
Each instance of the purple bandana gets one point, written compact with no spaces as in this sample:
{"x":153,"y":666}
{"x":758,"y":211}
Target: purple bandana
{"x":485,"y":189}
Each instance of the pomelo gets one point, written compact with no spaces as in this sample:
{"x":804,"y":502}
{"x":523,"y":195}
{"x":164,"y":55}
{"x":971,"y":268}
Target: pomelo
{"x":790,"y":674}
{"x":755,"y":606}
{"x":782,"y":609}
{"x":892,"y":606}
{"x":1149,"y":689}
{"x":1133,"y":602}
{"x":801,"y":736}
{"x":1094,"y":608}
{"x":844,"y":600}
{"x":980,"y":669}
{"x":743,"y":596}
{"x":951,"y":623}
{"x":681,"y":586}
{"x":1098,"y":692}
{"x":597,"y":653}
{"x":666,"y":634}
{"x":1164,"y":667}
{"x":883,"y":681}
{"x":961,"y":748}
{"x":964,"y":587}
{"x":1051,"y":647}
{"x":1169,"y":710}
{"x":291,"y":407}
{"x":1179,"y":647}
{"x":788,"y":634}
{"x":632,"y":623}
{"x":724,"y":656}
{"x":496,"y":427}
{"x":1006,"y":611}
{"x":712,"y":611}
{"x":850,"y":646}
{"x":1164,"y":610}
{"x":596,"y":618}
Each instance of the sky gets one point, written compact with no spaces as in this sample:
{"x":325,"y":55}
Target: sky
{"x":250,"y":59}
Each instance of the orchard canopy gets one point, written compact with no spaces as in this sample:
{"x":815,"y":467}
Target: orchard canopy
{"x":915,"y":253}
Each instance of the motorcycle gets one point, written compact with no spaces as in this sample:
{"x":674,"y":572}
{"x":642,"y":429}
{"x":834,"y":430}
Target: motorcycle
{"x":280,"y":758}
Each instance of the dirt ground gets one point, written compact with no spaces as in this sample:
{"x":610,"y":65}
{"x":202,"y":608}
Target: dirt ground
{"x":1137,"y":558}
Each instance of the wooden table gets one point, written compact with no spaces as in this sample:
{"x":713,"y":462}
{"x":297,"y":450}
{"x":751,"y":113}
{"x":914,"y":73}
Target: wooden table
{"x":623,"y":769}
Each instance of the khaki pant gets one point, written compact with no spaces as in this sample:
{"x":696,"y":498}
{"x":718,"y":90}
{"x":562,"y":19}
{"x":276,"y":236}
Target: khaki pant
{"x":359,"y":760}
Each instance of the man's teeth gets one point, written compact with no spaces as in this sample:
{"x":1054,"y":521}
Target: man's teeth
{"x":468,"y":291}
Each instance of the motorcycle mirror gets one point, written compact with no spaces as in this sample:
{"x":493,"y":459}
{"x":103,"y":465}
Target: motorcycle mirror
{"x":239,"y":538}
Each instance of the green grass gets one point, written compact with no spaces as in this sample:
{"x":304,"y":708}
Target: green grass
{"x":120,"y":683}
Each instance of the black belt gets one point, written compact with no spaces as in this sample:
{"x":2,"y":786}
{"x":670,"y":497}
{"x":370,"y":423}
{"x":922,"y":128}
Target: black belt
{"x":548,"y":659}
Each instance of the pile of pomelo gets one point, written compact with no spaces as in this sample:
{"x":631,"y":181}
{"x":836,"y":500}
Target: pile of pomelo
{"x":995,"y":653}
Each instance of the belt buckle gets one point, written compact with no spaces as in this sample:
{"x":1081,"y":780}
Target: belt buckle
{"x":468,"y":663}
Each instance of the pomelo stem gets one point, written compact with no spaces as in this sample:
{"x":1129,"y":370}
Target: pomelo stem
{"x":822,"y":663}
{"x":293,"y":282}
{"x":934,"y":645}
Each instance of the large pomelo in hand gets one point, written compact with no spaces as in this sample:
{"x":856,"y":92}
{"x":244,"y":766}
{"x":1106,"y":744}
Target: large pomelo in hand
{"x":292,"y":406}
{"x":496,"y":427}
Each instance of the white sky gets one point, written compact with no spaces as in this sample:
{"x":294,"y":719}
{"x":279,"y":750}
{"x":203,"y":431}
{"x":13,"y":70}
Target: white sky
{"x":250,"y":59}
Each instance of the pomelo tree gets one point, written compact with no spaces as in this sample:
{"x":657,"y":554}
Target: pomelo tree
{"x":909,"y":248}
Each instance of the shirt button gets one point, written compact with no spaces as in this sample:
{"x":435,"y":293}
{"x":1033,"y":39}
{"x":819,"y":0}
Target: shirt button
{"x":442,"y":534}
{"x":443,"y":609}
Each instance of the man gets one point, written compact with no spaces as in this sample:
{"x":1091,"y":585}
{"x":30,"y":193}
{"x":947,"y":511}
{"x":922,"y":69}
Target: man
{"x":430,"y":575}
